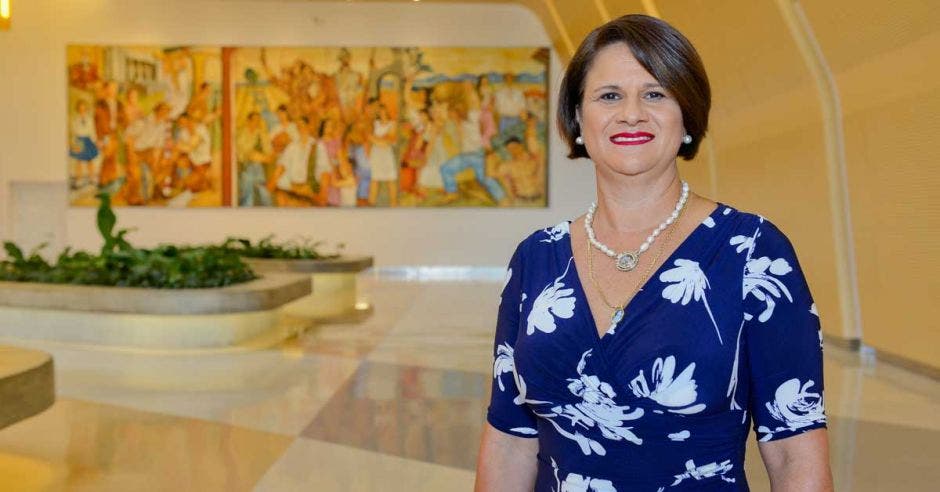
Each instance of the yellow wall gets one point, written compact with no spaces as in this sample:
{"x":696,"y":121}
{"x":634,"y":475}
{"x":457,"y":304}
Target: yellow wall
{"x":767,"y":148}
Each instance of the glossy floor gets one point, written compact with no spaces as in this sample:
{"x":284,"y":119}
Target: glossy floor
{"x":393,"y":402}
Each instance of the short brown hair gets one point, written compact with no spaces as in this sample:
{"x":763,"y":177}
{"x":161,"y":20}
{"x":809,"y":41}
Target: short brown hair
{"x":664,"y":52}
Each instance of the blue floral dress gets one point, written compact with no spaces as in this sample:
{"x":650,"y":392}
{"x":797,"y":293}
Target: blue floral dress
{"x":725,"y":333}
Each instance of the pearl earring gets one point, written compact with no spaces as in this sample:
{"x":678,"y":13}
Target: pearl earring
{"x":687,"y":139}
{"x":579,"y":140}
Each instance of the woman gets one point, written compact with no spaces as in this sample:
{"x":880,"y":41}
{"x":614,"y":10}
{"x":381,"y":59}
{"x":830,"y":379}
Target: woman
{"x":642,"y":370}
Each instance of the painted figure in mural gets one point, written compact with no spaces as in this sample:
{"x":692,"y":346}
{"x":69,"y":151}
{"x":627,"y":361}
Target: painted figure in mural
{"x":131,"y":110}
{"x":471,"y":156}
{"x":382,"y":158}
{"x":84,"y":74}
{"x":290,"y":174}
{"x":510,"y":103}
{"x":346,"y":183}
{"x":415,"y":155}
{"x":488,"y":126}
{"x":284,"y":131}
{"x":349,"y":85}
{"x":522,"y":174}
{"x":429,"y":178}
{"x":254,"y":153}
{"x":329,"y":147}
{"x":144,"y":142}
{"x":82,"y":147}
{"x":106,"y":127}
{"x":177,"y":80}
{"x":357,"y":141}
{"x":194,"y":144}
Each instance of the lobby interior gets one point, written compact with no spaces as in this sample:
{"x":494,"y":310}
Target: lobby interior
{"x":824,"y":120}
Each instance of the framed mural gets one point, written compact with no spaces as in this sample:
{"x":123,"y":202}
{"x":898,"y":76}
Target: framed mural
{"x":145,"y":125}
{"x":386,"y":127}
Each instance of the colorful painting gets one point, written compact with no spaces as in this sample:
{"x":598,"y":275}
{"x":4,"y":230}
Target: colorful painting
{"x":145,"y":125}
{"x":387,"y":127}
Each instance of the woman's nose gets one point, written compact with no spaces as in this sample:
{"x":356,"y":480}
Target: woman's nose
{"x":632,"y":111}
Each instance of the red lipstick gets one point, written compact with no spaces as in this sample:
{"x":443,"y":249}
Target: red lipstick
{"x":632,"y":138}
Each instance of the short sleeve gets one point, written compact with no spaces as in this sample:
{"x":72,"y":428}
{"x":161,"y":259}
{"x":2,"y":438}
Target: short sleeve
{"x":782,"y":338}
{"x":507,"y":411}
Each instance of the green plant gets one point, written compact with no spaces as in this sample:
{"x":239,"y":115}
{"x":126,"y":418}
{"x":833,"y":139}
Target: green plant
{"x":288,"y":250}
{"x":121,"y":264}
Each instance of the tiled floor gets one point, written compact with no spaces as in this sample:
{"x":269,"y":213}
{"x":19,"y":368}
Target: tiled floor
{"x":392,"y":403}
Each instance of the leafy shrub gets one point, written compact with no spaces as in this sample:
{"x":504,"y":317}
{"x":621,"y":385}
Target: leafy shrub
{"x":120,"y":264}
{"x":288,"y":250}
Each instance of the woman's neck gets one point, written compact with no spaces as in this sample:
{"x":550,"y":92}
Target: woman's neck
{"x":633,"y":204}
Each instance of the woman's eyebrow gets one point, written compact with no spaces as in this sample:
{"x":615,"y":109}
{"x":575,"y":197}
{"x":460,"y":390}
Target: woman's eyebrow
{"x":616,"y":87}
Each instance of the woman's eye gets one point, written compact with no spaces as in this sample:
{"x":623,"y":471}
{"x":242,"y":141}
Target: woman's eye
{"x":609,"y":96}
{"x":654,"y":95}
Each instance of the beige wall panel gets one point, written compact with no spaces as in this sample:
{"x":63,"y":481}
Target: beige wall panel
{"x":696,"y":172}
{"x":580,"y":17}
{"x":782,"y":177}
{"x":855,"y":31}
{"x":883,"y":57}
{"x":893,"y":170}
{"x":616,"y":8}
{"x":539,"y":8}
{"x":746,"y":47}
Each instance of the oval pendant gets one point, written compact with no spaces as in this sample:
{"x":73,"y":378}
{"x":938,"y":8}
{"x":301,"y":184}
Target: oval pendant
{"x":627,"y":261}
{"x":615,"y":320}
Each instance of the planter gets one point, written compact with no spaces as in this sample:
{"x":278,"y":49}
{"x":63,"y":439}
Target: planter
{"x":245,"y":314}
{"x":335,"y":297}
{"x":26,"y":384}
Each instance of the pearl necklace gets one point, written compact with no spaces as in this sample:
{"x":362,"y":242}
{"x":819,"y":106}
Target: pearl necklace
{"x":628,"y":260}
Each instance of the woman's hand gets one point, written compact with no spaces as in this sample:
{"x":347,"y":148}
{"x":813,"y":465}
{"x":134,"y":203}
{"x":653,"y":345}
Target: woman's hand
{"x":799,"y":463}
{"x":506,"y":463}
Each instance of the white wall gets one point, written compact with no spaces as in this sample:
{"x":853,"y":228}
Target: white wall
{"x":33,"y":123}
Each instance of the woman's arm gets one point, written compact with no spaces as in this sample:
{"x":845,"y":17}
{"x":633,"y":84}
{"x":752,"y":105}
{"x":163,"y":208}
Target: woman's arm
{"x":798,"y":463}
{"x":506,"y":463}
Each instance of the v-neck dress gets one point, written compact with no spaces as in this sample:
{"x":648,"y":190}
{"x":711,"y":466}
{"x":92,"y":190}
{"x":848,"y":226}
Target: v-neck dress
{"x":724,"y":335}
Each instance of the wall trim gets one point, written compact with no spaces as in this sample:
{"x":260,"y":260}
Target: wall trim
{"x":837,"y":176}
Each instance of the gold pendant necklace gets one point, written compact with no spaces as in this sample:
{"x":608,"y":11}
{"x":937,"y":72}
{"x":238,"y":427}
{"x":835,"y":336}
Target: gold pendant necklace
{"x":619,"y":310}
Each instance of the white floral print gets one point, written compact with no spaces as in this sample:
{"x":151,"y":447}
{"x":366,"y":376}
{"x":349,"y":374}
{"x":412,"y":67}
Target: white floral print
{"x":795,"y":406}
{"x":687,"y":282}
{"x":705,"y":471}
{"x":679,"y":436}
{"x":575,"y":482}
{"x":709,"y":222}
{"x":556,"y":233}
{"x":760,"y":275}
{"x":677,"y":394}
{"x":555,"y":301}
{"x":596,"y":409}
{"x":760,"y":280}
{"x":503,"y":363}
{"x":525,"y":430}
{"x":733,"y":381}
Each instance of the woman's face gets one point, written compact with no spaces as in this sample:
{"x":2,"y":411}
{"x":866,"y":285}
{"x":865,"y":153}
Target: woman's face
{"x":629,"y":122}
